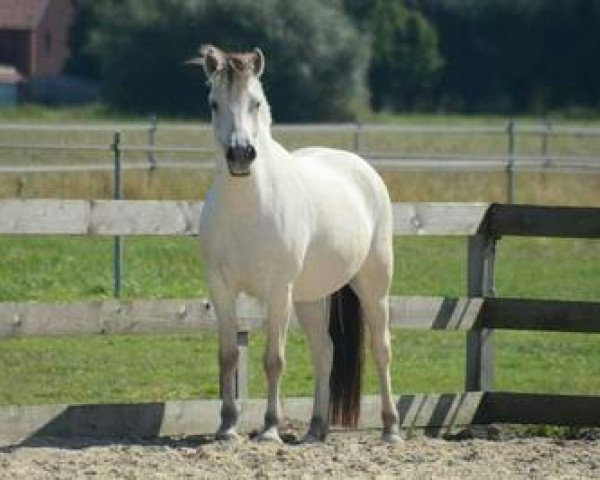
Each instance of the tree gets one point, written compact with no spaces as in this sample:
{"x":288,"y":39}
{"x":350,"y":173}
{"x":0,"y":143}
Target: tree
{"x":316,"y":59}
{"x":87,"y":17}
{"x":518,"y":55}
{"x":405,"y":59}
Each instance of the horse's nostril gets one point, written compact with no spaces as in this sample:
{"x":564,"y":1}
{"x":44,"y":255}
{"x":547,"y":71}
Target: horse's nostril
{"x":230,"y":154}
{"x":247,"y":154}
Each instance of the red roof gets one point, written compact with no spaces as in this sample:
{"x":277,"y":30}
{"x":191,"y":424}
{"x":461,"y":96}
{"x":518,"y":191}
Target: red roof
{"x":21,"y":14}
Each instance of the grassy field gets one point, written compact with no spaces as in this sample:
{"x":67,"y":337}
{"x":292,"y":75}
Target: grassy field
{"x":542,"y":188}
{"x":67,"y":269}
{"x":152,"y":367}
{"x":127,"y":368}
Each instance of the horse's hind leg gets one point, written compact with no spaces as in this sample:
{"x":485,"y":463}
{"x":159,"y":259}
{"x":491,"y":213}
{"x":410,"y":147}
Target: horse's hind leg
{"x":279,"y":308}
{"x":371,"y":284}
{"x":313,"y":317}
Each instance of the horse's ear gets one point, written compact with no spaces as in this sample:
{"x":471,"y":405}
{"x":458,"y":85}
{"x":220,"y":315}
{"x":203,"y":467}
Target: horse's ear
{"x":258,"y":62}
{"x":211,"y":58}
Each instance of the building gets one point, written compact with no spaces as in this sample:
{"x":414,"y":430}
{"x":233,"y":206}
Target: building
{"x":34,"y":39}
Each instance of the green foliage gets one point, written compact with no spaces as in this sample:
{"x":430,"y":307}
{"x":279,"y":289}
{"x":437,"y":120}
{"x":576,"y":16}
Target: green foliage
{"x":405,"y":58}
{"x":503,"y":56}
{"x":494,"y":55}
{"x":316,"y":58}
{"x":518,"y":55}
{"x":87,"y":18}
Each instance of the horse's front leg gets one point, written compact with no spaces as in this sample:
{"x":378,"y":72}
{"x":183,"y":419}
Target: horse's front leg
{"x":279,"y":308}
{"x":224,"y":303}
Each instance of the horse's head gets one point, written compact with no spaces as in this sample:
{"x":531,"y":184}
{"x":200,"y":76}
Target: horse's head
{"x":238,"y":104}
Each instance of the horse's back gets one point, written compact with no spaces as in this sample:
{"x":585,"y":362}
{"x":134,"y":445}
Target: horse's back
{"x":326,"y":168}
{"x":340,"y":162}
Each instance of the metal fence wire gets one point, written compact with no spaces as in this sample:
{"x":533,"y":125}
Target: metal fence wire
{"x":147,"y":153}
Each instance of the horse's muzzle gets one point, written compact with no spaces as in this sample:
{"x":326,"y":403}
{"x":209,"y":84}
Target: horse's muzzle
{"x":239,"y":160}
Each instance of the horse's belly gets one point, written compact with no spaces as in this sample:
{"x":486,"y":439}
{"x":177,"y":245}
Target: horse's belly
{"x":325,"y":270}
{"x":311,"y":287}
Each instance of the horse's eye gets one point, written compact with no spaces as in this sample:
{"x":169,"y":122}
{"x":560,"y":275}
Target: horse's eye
{"x":255,"y":105}
{"x":213,"y":106}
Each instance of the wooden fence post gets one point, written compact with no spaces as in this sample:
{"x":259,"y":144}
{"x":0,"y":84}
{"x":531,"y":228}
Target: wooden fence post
{"x":480,"y":348}
{"x":241,"y":374}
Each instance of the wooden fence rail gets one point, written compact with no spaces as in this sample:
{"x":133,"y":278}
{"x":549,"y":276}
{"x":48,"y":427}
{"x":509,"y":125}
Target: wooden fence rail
{"x":150,"y":217}
{"x":478,"y":315}
{"x":389,"y":162}
{"x":192,"y":315}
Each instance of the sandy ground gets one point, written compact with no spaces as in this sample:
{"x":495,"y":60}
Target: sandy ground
{"x":344,"y":455}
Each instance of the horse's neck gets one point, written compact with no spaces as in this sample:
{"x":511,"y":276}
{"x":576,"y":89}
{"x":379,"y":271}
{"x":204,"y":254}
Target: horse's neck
{"x":252,"y":195}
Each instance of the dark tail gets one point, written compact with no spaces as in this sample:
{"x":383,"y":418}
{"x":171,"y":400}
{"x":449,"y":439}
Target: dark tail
{"x":347,"y":331}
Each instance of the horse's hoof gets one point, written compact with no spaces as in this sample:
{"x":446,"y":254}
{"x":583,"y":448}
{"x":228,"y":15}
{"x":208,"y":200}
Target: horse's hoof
{"x":311,"y":438}
{"x":269,"y":435}
{"x":227,"y":435}
{"x":391,"y":438}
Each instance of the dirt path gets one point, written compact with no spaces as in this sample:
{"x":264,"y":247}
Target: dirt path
{"x":345,"y":455}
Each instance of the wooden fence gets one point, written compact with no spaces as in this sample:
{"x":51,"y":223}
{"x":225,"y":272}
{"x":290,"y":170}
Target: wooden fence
{"x":478,"y":314}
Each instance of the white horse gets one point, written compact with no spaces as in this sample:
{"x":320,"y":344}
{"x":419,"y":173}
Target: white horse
{"x":309,"y":230}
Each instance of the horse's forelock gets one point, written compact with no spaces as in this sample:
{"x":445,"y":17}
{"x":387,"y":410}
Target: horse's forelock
{"x":232,"y":73}
{"x":240,"y":62}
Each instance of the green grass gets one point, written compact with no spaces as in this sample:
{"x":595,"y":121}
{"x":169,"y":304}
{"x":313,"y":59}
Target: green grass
{"x":134,"y":368}
{"x":152,"y":367}
{"x":108,"y":368}
{"x":99,"y":112}
{"x":67,"y":269}
{"x":31,"y":112}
